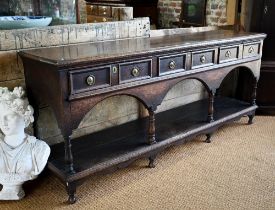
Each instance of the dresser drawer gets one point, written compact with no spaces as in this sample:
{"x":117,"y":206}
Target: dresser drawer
{"x":91,"y":9}
{"x":251,"y":49}
{"x":89,"y":79}
{"x":104,"y":11}
{"x":172,"y":63}
{"x":97,"y":19}
{"x":228,"y":53}
{"x":203,"y":58}
{"x":136,"y":70}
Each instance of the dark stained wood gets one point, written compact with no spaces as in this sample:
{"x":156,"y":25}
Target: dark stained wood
{"x":101,"y":77}
{"x":210,"y":117}
{"x":171,"y":64}
{"x":172,"y":126}
{"x":73,"y":79}
{"x":202,"y":59}
{"x":111,"y":50}
{"x":228,"y":54}
{"x":251,"y":49}
{"x":135,"y":70}
{"x":262,"y":21}
{"x":151,"y":127}
{"x":141,"y":8}
{"x":266,"y":89}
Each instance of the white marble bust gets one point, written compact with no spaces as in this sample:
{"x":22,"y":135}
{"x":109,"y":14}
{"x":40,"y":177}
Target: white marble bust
{"x":22,"y":157}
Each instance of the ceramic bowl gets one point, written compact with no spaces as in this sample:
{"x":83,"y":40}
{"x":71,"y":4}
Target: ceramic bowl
{"x":16,"y":22}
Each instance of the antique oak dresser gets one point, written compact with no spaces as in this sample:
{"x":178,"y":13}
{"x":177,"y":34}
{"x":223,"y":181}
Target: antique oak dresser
{"x":73,"y":79}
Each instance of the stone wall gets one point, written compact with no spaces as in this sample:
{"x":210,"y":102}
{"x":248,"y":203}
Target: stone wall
{"x":216,"y":12}
{"x":82,"y":11}
{"x":169,"y":12}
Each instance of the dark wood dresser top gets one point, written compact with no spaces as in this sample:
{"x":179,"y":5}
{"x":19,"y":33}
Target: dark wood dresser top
{"x":86,"y":52}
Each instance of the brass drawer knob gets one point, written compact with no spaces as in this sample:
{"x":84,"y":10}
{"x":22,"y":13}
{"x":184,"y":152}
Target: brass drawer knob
{"x":172,"y":65}
{"x":228,"y":54}
{"x":104,"y":19}
{"x":251,"y":49}
{"x":90,"y":80}
{"x":135,"y":71}
{"x":114,"y":69}
{"x":202,"y":59}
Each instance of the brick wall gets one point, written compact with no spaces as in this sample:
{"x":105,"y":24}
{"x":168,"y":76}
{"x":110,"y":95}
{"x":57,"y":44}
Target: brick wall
{"x":169,"y":12}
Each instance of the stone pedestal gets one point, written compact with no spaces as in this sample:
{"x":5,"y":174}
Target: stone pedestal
{"x":12,"y":192}
{"x":12,"y":186}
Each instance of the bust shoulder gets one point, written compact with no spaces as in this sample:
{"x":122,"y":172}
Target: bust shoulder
{"x":38,"y":145}
{"x":40,"y":152}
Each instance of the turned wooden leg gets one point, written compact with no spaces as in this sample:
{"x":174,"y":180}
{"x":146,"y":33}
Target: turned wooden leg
{"x":71,"y":189}
{"x":151,"y":135}
{"x":250,"y":119}
{"x":69,"y":155}
{"x":254,"y":93}
{"x":253,"y":100}
{"x":152,"y":161}
{"x":151,"y":128}
{"x":210,"y":117}
{"x":208,"y":138}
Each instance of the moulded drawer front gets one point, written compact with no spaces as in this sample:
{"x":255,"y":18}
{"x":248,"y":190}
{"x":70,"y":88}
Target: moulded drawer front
{"x":135,"y":70}
{"x":95,"y":19}
{"x":91,"y":9}
{"x":201,"y":59}
{"x":90,"y":79}
{"x":170,"y":64}
{"x":228,"y":54}
{"x":251,"y":49}
{"x":104,"y":11}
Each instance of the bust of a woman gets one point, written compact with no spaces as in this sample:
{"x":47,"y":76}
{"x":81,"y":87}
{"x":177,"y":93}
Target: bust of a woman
{"x":22,"y":157}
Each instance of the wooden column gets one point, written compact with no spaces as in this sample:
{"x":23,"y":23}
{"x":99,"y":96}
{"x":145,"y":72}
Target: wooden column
{"x":210,"y":117}
{"x":253,"y":100}
{"x":254,"y":93}
{"x":151,"y":128}
{"x":68,"y":154}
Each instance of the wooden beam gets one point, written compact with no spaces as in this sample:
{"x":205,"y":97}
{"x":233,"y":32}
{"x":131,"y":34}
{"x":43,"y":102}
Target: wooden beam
{"x":231,"y":11}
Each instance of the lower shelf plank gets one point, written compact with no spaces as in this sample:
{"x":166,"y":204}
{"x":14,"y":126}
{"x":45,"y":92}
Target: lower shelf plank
{"x":118,"y":146}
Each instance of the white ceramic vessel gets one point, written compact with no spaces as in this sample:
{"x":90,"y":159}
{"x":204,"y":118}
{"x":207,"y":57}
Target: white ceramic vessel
{"x":17,"y":22}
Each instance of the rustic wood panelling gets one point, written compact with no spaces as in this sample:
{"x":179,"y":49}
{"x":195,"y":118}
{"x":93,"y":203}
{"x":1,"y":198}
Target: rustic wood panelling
{"x":72,"y":34}
{"x":11,"y":67}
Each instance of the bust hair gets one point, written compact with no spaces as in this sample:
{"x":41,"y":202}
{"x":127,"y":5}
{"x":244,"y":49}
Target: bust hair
{"x":16,"y":101}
